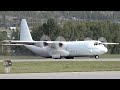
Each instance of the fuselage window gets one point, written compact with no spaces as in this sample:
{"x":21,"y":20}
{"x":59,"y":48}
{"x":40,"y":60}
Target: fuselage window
{"x":100,"y":43}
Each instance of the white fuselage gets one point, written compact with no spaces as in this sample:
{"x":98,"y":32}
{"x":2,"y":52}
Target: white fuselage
{"x":73,"y":48}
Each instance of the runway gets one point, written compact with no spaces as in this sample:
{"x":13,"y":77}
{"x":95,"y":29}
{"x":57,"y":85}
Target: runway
{"x":64,"y":75}
{"x":76,"y":59}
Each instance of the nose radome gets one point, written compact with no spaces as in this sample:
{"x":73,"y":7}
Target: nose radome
{"x":105,"y":49}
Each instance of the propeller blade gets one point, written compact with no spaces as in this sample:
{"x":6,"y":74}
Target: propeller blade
{"x":60,"y":38}
{"x":87,"y":39}
{"x":45,"y":38}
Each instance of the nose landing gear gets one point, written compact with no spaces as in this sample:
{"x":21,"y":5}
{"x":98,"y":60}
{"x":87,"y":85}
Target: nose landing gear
{"x":96,"y":56}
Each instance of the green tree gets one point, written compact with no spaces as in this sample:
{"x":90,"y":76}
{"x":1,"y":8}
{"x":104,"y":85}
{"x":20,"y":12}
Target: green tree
{"x":68,"y":31}
{"x":51,"y":28}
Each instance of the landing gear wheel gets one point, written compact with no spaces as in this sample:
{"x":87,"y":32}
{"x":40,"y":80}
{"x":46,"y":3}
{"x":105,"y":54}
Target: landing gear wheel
{"x":57,"y":58}
{"x":96,"y":56}
{"x":72,"y":57}
{"x":69,"y":57}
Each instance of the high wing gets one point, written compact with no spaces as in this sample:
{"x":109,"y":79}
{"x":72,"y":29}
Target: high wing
{"x":109,"y":43}
{"x":51,"y":44}
{"x":25,"y":42}
{"x":55,"y":47}
{"x":18,"y":42}
{"x":13,"y":44}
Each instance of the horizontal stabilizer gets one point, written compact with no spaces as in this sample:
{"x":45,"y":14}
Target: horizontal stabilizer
{"x":51,"y":44}
{"x":28,"y":42}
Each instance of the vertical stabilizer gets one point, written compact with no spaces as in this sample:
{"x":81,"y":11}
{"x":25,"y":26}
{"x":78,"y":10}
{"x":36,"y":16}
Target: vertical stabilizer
{"x":25,"y":32}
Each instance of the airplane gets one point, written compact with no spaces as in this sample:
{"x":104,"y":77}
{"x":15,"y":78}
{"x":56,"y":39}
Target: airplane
{"x":58,"y":49}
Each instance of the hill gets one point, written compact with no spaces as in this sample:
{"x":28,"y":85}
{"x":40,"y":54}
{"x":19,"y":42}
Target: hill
{"x":12,"y":18}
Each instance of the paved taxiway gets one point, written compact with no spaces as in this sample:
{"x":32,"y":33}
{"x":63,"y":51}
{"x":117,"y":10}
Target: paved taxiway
{"x":64,"y":75}
{"x":78,"y":59}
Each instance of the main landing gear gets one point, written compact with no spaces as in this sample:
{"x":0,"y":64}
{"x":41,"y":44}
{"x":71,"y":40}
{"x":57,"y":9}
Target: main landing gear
{"x":69,"y":57}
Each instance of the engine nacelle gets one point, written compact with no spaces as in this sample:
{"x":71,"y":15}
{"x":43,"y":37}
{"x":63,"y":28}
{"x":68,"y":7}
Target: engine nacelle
{"x":52,"y":45}
{"x":41,"y":44}
{"x":60,"y":44}
{"x":45,"y":44}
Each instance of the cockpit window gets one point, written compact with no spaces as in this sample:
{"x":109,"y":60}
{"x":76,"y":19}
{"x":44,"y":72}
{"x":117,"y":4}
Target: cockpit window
{"x":97,"y":43}
{"x":100,"y":43}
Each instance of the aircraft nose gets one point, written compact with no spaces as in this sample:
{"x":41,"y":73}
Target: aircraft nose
{"x":104,"y":50}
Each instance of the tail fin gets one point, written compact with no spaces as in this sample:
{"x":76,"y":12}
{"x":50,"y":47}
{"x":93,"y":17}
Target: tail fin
{"x":24,"y":32}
